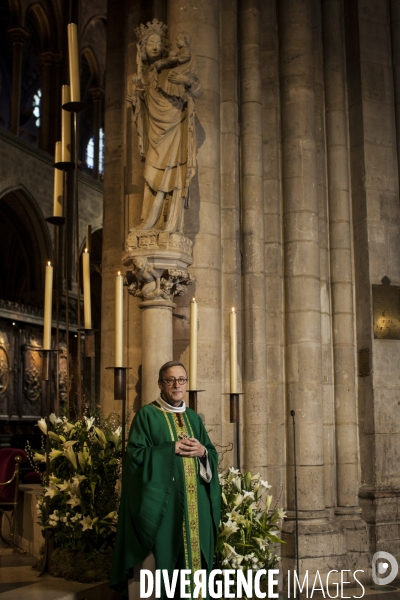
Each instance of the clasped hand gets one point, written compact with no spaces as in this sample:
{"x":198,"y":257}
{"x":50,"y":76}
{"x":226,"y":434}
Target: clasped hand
{"x":189,"y":447}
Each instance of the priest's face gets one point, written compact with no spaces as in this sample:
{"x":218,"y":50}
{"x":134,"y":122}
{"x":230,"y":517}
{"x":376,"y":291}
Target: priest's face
{"x":171,"y":389}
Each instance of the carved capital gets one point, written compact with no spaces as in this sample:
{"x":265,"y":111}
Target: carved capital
{"x":18,"y":35}
{"x":149,"y":283}
{"x":97,"y":94}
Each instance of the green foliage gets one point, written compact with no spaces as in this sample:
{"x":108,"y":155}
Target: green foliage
{"x":248,"y":536}
{"x":79,"y":505}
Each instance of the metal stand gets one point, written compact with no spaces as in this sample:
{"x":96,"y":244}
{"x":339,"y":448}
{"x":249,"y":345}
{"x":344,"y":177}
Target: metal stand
{"x":292,"y":413}
{"x":193,"y":399}
{"x":46,"y":376}
{"x":235,"y":418}
{"x":120,"y":394}
{"x":57,"y":221}
{"x":90,"y":366}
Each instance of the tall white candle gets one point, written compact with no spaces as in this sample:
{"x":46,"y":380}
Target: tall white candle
{"x":48,"y":305}
{"x":87,"y":306}
{"x":73,"y":56}
{"x":193,"y":345}
{"x":233,"y":351}
{"x":65,"y":125}
{"x":58,"y":184}
{"x":119,"y":320}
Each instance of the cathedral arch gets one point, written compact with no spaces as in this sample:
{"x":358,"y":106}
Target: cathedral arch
{"x":25,"y":246}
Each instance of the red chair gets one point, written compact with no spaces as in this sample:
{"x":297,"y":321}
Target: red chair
{"x":10,"y":459}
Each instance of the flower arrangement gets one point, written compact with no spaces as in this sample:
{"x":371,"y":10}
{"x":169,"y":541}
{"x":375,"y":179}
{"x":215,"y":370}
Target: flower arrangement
{"x":248,"y":533}
{"x":80,"y":502}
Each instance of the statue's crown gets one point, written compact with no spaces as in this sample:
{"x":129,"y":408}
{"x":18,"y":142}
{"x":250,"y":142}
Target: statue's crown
{"x":153,"y":27}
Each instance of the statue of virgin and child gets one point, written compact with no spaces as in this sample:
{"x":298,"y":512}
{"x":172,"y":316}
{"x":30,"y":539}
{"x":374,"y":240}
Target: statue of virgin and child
{"x":162,"y":101}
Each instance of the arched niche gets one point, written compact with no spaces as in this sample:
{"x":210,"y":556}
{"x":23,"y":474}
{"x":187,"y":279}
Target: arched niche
{"x":25,"y":246}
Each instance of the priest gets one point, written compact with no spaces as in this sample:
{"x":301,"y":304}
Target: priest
{"x":170,"y":501}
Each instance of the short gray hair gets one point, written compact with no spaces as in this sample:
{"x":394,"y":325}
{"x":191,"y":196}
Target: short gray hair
{"x":169,"y":365}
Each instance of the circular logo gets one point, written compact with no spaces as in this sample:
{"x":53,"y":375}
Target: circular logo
{"x":382,"y":567}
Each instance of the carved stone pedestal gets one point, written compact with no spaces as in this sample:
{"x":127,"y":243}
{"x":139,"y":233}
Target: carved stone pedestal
{"x":157,"y":263}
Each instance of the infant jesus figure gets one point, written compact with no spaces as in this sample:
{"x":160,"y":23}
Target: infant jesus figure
{"x":183,"y":62}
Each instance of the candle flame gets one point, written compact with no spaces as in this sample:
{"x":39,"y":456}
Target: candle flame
{"x":193,"y":299}
{"x":119,"y":272}
{"x":86,"y":250}
{"x":233,"y":309}
{"x":49,"y":263}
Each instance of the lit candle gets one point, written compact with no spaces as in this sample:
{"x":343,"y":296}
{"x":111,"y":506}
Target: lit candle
{"x":118,"y":319}
{"x":48,"y":305}
{"x":73,"y":55}
{"x":193,"y":346}
{"x":58,"y":184}
{"x":233,"y":350}
{"x":65,"y":126}
{"x":86,"y":289}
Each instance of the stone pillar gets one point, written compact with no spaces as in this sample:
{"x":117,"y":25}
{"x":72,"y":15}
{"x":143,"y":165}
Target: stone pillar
{"x":113,"y":207}
{"x":254,"y":347}
{"x":342,"y":284}
{"x":230,"y":206}
{"x":46,"y":75}
{"x":97,"y":97}
{"x":157,"y":349}
{"x":395,"y":24}
{"x":134,"y":196}
{"x":274,"y":315}
{"x":18,"y":36}
{"x":203,"y":219}
{"x":327,"y":398}
{"x":301,"y":251}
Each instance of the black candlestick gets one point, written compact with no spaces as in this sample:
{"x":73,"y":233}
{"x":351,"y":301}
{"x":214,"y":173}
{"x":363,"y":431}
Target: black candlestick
{"x":235,"y":418}
{"x":120,"y":394}
{"x":193,"y":399}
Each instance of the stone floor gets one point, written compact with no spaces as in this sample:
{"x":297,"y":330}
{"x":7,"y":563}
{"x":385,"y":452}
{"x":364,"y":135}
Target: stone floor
{"x":18,"y":581}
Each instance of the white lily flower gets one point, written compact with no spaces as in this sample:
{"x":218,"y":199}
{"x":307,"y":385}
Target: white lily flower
{"x":55,"y":453}
{"x":89,"y":422}
{"x":55,"y":420}
{"x":76,"y":480}
{"x":116,"y":437}
{"x":52,"y":490}
{"x":237,"y":483}
{"x":42,"y":425}
{"x":74,"y":501}
{"x":228,"y":528}
{"x":70,"y":454}
{"x":230,"y":552}
{"x":87,"y":523}
{"x":64,"y":486}
{"x":54,"y":436}
{"x":37,"y":457}
{"x":281,"y":513}
{"x":238,"y":499}
{"x":101,"y":435}
{"x":265,"y":484}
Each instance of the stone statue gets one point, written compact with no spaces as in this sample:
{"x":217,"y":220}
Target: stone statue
{"x":162,"y":100}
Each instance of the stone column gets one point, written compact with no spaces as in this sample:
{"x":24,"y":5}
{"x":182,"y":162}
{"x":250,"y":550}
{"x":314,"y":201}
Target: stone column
{"x":156,"y":349}
{"x":46,"y":73}
{"x":325,"y":290}
{"x":113,"y":228}
{"x":254,"y":347}
{"x":97,"y":97}
{"x":134,"y":182}
{"x":274,"y":315}
{"x":230,"y":205}
{"x":395,"y":24}
{"x":203,"y":219}
{"x":301,"y":251}
{"x":342,"y":284}
{"x":19,"y":37}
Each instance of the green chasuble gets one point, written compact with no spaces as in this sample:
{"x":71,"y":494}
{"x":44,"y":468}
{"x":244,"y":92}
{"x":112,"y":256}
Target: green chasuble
{"x":166,"y":507}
